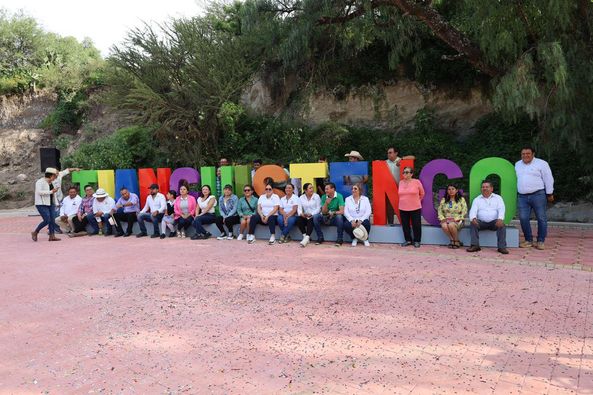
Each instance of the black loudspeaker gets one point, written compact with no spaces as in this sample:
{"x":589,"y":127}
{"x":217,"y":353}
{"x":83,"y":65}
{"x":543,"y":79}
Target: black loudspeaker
{"x":50,"y":157}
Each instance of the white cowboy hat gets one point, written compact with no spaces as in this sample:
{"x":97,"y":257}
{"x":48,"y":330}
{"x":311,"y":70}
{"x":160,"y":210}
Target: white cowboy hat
{"x":52,"y":170}
{"x":101,"y":193}
{"x":361,"y":233}
{"x":355,"y":154}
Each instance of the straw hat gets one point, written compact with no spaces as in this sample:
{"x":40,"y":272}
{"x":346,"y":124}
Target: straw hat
{"x":355,"y":154}
{"x":101,"y":193}
{"x":52,"y":170}
{"x":361,"y":233}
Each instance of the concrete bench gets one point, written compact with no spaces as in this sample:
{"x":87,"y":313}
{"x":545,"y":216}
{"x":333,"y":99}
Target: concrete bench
{"x":389,"y":234}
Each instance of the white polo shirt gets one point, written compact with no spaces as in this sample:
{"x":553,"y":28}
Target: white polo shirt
{"x":70,"y":206}
{"x":268,"y":204}
{"x":534,"y":176}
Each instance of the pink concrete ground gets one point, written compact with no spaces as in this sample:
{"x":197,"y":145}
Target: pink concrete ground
{"x":140,"y":316}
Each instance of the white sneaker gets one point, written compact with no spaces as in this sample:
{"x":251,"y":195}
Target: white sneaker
{"x":230,"y":237}
{"x":179,"y":234}
{"x":251,"y":239}
{"x":240,"y":237}
{"x":354,"y":242}
{"x":366,"y":243}
{"x":183,"y":234}
{"x":305,"y":241}
{"x":272,"y":240}
{"x":221,"y":237}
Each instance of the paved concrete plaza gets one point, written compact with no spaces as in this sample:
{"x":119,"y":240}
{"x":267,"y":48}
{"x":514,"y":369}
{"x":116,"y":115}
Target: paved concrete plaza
{"x":143,"y":316}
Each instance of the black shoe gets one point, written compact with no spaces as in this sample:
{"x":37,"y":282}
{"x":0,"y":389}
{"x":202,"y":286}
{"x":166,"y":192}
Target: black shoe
{"x":141,"y":234}
{"x":154,"y":236}
{"x":127,"y":235}
{"x":119,"y":234}
{"x":416,"y":245}
{"x":173,"y":234}
{"x":339,"y":242}
{"x":406,"y":243}
{"x":474,"y":249}
{"x":503,"y":251}
{"x":207,"y":235}
{"x":163,"y":236}
{"x":319,"y":241}
{"x":198,"y":236}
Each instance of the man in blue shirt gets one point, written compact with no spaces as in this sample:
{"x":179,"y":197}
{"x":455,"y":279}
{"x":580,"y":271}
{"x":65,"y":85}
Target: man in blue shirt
{"x":127,"y":207}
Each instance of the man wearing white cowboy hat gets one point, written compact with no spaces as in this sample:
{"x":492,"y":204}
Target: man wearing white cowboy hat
{"x":355,"y":156}
{"x":103,"y":208}
{"x":45,"y":202}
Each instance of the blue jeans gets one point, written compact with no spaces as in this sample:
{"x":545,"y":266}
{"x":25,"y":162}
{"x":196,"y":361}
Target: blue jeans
{"x":92,"y":222}
{"x":256,"y":219}
{"x":291,"y":223}
{"x":149,"y":217}
{"x":49,"y":217}
{"x":537,"y":202}
{"x":95,"y":225}
{"x":184,"y":223}
{"x":208,"y":218}
{"x":337,"y":221}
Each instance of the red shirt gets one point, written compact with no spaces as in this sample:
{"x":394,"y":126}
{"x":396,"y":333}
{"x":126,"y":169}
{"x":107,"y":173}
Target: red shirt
{"x":410,"y":195}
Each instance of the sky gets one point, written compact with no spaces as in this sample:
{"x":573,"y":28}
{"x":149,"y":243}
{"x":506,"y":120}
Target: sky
{"x":105,"y":22}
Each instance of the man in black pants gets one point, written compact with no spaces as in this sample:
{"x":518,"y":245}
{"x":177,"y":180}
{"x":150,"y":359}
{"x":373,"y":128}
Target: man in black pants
{"x":487,"y":213}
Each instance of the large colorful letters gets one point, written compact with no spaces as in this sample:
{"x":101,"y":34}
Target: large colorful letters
{"x":384,"y":186}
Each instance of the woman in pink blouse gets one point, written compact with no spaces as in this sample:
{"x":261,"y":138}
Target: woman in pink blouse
{"x":411,"y":193}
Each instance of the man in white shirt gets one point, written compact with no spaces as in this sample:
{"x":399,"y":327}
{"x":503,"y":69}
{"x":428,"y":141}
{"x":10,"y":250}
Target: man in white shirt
{"x":103,"y":208}
{"x":153,"y":211}
{"x":535,"y":187}
{"x":487,"y":212}
{"x":69,"y":210}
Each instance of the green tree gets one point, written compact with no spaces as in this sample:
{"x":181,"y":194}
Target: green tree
{"x":181,"y":79}
{"x":535,"y":55}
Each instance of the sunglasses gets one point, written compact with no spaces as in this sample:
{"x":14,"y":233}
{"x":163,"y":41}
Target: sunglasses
{"x":246,"y":190}
{"x":268,"y":189}
{"x":407,"y":172}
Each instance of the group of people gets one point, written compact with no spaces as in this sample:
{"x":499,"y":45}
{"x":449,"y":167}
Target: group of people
{"x":178,"y":212}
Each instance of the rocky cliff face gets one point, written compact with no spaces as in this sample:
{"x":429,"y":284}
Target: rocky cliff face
{"x":390,"y":106}
{"x":20,"y":140}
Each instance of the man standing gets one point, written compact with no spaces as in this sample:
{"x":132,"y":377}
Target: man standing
{"x":393,"y":162}
{"x":535,"y":185}
{"x":487,"y":212}
{"x":127,"y":208}
{"x":222,"y":162}
{"x":153,"y":211}
{"x":69,"y":210}
{"x":332,"y":213}
{"x":85,"y":213}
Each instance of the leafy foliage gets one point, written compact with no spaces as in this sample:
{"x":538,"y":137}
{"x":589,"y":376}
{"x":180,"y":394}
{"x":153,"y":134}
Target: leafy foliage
{"x":131,"y":147}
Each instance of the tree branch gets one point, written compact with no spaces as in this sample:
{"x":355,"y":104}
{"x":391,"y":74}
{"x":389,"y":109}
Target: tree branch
{"x":435,"y":22}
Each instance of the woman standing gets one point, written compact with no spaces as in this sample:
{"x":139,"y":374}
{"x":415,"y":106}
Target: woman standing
{"x":205,"y":214}
{"x":289,"y":206}
{"x":45,"y":202}
{"x":452,"y":210}
{"x":357,"y":211}
{"x":267,"y":213}
{"x":310,"y":205}
{"x":411,"y":193}
{"x":185,"y":210}
{"x":227,"y":205}
{"x":246,"y":208}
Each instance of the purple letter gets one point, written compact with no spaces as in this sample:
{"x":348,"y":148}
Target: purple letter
{"x":432,"y":168}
